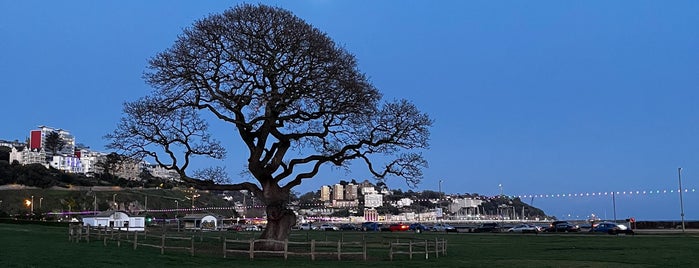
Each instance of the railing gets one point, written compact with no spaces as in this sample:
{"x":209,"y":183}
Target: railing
{"x":412,"y":247}
{"x":312,"y":249}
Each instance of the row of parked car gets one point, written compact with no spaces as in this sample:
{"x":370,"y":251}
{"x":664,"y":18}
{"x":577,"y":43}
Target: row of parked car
{"x":557,"y":227}
{"x":493,"y":227}
{"x":375,"y":226}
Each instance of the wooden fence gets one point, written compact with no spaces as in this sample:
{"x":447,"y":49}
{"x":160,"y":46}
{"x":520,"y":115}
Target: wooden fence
{"x":412,"y":247}
{"x":78,"y":233}
{"x":312,"y":249}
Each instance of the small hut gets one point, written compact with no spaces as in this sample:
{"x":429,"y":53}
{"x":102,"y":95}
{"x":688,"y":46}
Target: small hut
{"x":115,"y":219}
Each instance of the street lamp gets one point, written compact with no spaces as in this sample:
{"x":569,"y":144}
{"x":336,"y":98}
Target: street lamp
{"x":32,"y":203}
{"x":679,"y":178}
{"x":114,"y":198}
{"x":40,"y":202}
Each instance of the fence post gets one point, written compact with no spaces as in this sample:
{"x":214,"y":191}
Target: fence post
{"x":339,"y":249}
{"x":88,"y":234}
{"x":410,"y":248}
{"x":119,"y":239}
{"x":286,"y":249}
{"x":162,"y":244}
{"x":436,"y":247}
{"x":427,"y":252}
{"x":135,"y":240}
{"x":390,"y":250}
{"x":252,"y":249}
{"x":313,"y":250}
{"x":224,"y":248}
{"x":191,"y":240}
{"x":444,"y":246}
{"x":364,"y":249}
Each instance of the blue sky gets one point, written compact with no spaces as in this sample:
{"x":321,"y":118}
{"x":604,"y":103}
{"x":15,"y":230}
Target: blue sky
{"x":542,"y":97}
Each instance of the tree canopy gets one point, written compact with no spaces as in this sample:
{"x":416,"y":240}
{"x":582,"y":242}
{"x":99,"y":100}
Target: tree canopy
{"x":295,"y":99}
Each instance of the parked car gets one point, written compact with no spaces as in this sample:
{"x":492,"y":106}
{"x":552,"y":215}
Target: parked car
{"x":253,"y":228}
{"x":371,"y":226}
{"x":418,"y":227}
{"x":562,"y":226}
{"x":328,"y":227}
{"x":348,"y":227}
{"x":398,"y":227}
{"x":611,"y":228}
{"x":490,"y":227}
{"x":443,"y":227}
{"x":524,"y":228}
{"x":307,"y":226}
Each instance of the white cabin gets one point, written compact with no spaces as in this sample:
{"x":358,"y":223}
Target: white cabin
{"x":116,"y":219}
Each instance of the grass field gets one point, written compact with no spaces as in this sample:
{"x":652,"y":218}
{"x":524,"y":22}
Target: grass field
{"x":30,"y":245}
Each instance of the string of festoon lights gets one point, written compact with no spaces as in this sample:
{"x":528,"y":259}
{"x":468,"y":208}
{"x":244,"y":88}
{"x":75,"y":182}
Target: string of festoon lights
{"x":609,"y":193}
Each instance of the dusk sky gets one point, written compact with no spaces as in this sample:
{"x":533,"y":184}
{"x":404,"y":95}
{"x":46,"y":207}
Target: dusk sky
{"x":542,"y":97}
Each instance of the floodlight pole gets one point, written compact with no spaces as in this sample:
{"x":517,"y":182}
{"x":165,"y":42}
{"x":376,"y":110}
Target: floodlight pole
{"x":679,"y":178}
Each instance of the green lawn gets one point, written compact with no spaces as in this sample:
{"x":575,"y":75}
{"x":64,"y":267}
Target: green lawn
{"x":31,"y":245}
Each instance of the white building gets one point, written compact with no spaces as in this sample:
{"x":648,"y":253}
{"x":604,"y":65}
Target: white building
{"x":373,"y":200}
{"x":26,"y":156}
{"x":338,"y":192}
{"x":68,"y":164}
{"x":37,"y":140}
{"x":368,"y":190}
{"x":325,"y":193}
{"x":116,"y":219}
{"x":89,"y":161}
{"x":404,"y":202}
{"x":162,"y":172}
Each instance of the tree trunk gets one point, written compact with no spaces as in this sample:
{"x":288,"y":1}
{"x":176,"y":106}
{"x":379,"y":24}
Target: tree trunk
{"x":280,"y":219}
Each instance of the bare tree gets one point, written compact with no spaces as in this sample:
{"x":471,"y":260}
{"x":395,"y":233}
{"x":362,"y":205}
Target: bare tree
{"x":295,"y":99}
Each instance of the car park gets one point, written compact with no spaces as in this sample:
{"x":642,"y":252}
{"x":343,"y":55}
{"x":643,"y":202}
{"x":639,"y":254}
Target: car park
{"x":443,"y":227}
{"x":398,"y":227}
{"x":490,"y":227}
{"x":562,"y":226}
{"x":611,"y":228}
{"x":524,"y":228}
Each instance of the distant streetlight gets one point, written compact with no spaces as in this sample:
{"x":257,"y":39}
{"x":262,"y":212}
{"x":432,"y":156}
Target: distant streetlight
{"x":28,"y":203}
{"x":114,"y":198}
{"x":40,"y":202}
{"x":679,"y":178}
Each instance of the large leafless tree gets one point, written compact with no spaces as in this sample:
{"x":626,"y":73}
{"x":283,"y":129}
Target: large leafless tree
{"x":295,"y":98}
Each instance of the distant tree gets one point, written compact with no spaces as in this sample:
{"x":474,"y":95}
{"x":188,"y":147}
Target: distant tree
{"x":5,"y":153}
{"x":54,"y":142}
{"x":111,"y":163}
{"x":212,"y":174}
{"x":296,"y":100}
